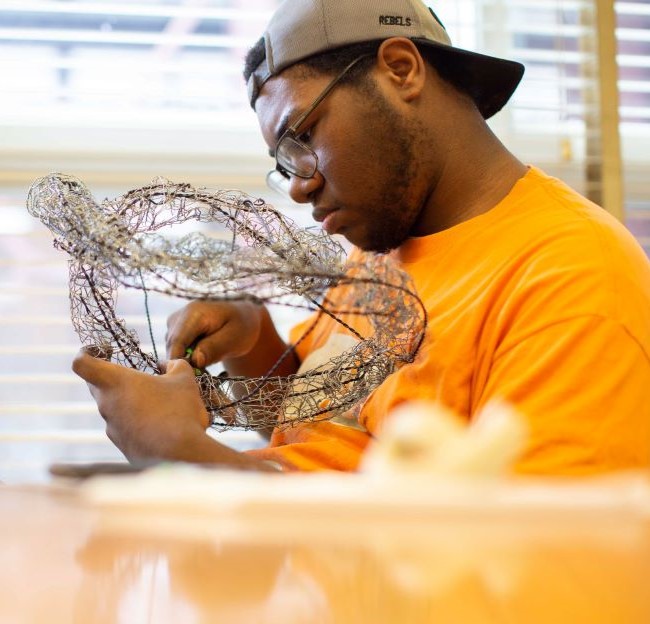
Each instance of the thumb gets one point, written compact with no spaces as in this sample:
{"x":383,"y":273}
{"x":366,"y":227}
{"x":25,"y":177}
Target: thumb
{"x":95,"y":371}
{"x":179,"y":368}
{"x":214,"y":348}
{"x":199,"y":356}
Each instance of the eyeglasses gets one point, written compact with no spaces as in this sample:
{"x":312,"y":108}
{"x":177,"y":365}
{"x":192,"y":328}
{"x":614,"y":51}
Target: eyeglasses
{"x":293,"y":156}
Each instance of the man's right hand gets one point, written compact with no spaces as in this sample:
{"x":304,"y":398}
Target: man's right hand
{"x":215,"y":331}
{"x":239,"y":334}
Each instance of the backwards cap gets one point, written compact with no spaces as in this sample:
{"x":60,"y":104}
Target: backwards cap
{"x":302,"y":28}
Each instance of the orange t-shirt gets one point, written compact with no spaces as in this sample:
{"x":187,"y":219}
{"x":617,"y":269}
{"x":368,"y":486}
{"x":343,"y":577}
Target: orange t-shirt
{"x":544,"y":302}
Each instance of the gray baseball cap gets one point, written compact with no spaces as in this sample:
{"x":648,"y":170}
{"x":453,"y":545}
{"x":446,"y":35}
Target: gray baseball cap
{"x":302,"y":28}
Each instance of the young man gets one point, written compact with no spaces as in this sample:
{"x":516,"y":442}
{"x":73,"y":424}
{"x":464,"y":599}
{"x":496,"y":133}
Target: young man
{"x":534,"y":295}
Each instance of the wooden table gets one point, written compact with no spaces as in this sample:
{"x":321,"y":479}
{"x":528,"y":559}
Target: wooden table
{"x":66,"y":560}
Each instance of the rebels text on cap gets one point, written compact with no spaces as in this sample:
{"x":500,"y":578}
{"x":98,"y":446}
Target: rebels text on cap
{"x":394,"y":20}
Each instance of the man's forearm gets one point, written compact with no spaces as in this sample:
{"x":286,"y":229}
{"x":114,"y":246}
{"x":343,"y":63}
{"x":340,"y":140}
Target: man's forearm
{"x":260,"y":360}
{"x":200,"y":448}
{"x":264,"y":355}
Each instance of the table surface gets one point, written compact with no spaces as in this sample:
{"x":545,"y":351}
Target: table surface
{"x":67,"y":560}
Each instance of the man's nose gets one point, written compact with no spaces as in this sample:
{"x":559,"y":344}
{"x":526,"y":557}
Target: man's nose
{"x":301,"y":189}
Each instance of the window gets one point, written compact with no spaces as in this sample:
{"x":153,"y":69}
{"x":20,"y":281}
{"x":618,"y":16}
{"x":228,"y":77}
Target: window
{"x":554,"y":119}
{"x":633,"y":33}
{"x":114,"y":92}
{"x":120,"y":91}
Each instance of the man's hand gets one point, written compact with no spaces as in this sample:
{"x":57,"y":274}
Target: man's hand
{"x":215,"y":331}
{"x":241,"y":335}
{"x":156,"y":417}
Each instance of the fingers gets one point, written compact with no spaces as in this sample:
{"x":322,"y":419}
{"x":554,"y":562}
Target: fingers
{"x":197,"y":356}
{"x":186,"y":327}
{"x":180,"y":336}
{"x":213,"y":330}
{"x":182,"y":371}
{"x":179,"y":368}
{"x":209,"y":350}
{"x":197,"y":326}
{"x":93,"y":370}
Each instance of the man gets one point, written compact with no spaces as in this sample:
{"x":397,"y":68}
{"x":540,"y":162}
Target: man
{"x":534,"y":295}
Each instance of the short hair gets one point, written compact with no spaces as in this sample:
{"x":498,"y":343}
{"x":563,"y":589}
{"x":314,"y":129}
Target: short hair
{"x":334,"y":61}
{"x":254,"y":57}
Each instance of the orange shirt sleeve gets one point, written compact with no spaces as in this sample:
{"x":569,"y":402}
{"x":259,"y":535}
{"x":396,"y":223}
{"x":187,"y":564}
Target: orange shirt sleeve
{"x":316,"y":446}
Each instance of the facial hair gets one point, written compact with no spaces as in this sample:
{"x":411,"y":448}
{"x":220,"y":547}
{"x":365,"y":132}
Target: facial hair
{"x":393,"y":210}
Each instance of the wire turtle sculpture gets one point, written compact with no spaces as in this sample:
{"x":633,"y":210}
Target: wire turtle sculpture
{"x":268,"y":259}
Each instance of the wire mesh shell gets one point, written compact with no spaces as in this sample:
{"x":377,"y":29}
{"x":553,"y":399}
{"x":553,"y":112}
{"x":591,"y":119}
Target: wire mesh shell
{"x":268,"y":260}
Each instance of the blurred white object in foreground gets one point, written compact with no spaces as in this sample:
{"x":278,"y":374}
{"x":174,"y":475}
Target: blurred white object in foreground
{"x":425,"y":437}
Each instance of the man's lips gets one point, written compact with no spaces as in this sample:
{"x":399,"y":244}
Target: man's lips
{"x":327,"y":217}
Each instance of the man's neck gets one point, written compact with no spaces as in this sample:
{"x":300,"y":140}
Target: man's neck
{"x":471,"y":183}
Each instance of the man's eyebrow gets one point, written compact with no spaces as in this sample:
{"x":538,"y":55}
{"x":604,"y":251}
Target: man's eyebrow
{"x":282,"y":128}
{"x":284,"y":124}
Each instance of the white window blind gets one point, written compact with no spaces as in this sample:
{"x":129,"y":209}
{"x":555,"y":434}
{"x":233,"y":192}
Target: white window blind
{"x":128,"y":89}
{"x":117,"y":92}
{"x":633,"y":34}
{"x":554,"y":117}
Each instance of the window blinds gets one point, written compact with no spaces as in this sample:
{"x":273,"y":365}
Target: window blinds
{"x":118,"y":92}
{"x":633,"y":35}
{"x":115,"y":93}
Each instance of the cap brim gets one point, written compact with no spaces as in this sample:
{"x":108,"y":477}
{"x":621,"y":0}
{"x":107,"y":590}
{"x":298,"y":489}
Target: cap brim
{"x":489,"y":80}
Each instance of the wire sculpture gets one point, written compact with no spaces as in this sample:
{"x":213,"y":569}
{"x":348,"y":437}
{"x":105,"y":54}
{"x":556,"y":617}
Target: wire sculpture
{"x":268,"y":260}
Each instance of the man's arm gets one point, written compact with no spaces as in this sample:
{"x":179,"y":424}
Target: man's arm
{"x":264,"y":354}
{"x":239,"y":334}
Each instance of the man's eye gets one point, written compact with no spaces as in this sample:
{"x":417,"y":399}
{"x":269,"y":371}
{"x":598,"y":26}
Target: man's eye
{"x":305,"y":136}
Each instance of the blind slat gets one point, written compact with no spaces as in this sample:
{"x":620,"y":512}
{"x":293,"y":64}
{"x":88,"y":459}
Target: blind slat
{"x":134,"y":9}
{"x":115,"y":84}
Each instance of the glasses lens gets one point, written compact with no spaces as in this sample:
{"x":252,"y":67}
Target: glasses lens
{"x":296,"y":157}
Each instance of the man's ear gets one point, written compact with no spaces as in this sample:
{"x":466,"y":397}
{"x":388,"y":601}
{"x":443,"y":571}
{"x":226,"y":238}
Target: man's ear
{"x":401,"y":64}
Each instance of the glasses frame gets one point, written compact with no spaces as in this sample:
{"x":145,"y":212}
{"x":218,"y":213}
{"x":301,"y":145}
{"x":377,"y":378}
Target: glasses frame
{"x":291,"y":133}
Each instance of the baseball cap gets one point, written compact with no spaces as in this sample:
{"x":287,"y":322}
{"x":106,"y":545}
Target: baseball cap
{"x":302,"y":28}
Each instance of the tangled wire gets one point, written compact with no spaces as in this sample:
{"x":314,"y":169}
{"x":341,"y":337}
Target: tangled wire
{"x":267,"y":260}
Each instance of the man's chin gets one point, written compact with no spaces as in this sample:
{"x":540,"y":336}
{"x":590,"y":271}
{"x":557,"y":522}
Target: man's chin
{"x":376,"y":244}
